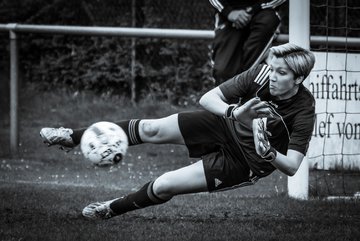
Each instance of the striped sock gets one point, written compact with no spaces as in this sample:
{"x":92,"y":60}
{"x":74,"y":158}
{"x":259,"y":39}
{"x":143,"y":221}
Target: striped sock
{"x":143,"y":198}
{"x":131,"y":128}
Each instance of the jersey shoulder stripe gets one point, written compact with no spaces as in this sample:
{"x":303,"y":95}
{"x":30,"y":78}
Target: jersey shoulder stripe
{"x":217,"y":4}
{"x":273,"y":4}
{"x":263,"y":75}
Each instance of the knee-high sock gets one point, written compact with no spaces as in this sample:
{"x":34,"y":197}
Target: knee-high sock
{"x":143,"y":198}
{"x":131,"y":128}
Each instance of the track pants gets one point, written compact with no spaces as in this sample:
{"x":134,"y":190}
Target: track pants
{"x":236,"y":50}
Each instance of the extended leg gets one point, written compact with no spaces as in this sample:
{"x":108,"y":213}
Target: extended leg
{"x":189,"y":179}
{"x":163,"y":130}
{"x":160,"y":131}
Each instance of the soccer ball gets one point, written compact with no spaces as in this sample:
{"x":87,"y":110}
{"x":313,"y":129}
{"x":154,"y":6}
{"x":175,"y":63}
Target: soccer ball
{"x":104,"y":143}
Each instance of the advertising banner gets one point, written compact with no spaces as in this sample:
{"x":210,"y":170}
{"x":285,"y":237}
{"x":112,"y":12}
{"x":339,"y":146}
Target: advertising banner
{"x":335,"y":84}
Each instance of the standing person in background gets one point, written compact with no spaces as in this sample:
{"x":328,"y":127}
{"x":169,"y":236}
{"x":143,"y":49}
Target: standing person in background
{"x":244,"y":31}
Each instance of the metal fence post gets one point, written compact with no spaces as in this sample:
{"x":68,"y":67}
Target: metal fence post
{"x":14,"y":133}
{"x":133,"y":55}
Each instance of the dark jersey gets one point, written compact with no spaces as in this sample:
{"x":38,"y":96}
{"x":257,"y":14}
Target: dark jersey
{"x":291,"y":127}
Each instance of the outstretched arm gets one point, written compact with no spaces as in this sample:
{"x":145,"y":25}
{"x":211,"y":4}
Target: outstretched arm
{"x":215,"y":102}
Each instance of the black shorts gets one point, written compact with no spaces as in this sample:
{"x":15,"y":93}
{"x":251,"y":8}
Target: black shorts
{"x":207,"y":137}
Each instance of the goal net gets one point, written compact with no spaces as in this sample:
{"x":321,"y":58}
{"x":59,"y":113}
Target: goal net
{"x":334,"y":152}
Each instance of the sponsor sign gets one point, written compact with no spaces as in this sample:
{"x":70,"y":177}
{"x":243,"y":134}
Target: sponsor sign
{"x":335,"y":84}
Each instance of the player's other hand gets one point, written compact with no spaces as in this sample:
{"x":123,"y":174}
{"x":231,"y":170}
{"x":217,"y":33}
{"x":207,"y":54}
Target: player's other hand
{"x":239,"y":18}
{"x":254,"y":108}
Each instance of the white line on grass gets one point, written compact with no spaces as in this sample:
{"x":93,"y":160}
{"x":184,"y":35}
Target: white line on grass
{"x":60,"y":184}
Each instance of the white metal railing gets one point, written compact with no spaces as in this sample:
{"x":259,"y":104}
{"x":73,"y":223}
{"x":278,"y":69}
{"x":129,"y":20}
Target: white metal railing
{"x":14,"y":29}
{"x":108,"y":31}
{"x":155,"y":33}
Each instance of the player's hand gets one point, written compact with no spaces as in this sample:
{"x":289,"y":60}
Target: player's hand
{"x":261,"y":141}
{"x":239,"y":18}
{"x":254,"y":108}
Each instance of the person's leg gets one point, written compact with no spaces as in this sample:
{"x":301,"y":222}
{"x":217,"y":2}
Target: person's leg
{"x":227,"y":54}
{"x":163,"y":130}
{"x":160,"y":131}
{"x":189,"y":179}
{"x":130,"y":127}
{"x":263,"y":27}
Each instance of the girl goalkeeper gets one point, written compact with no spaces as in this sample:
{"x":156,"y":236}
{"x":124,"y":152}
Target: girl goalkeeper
{"x":254,"y":123}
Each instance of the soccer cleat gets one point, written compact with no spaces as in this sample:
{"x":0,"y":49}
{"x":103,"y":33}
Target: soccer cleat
{"x":58,"y":136}
{"x":99,"y":210}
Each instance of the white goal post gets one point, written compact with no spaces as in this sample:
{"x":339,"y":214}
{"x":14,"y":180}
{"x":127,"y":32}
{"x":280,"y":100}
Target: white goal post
{"x":299,"y":34}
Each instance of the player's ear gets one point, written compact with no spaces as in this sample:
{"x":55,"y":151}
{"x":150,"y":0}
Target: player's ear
{"x":299,"y":80}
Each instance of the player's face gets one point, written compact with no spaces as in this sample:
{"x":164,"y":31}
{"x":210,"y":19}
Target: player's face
{"x":283,"y":83}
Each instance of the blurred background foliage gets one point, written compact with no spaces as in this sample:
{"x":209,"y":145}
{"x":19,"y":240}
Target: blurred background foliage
{"x":177,"y":70}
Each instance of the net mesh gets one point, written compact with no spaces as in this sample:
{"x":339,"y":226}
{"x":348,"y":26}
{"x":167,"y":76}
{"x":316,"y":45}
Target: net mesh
{"x":335,"y":147}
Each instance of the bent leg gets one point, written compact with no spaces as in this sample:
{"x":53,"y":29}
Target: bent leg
{"x":189,"y":179}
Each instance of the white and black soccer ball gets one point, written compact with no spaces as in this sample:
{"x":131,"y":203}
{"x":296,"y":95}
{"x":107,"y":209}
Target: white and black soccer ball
{"x":104,"y":143}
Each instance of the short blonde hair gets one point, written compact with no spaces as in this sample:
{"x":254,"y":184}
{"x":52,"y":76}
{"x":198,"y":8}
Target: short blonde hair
{"x":299,"y":60}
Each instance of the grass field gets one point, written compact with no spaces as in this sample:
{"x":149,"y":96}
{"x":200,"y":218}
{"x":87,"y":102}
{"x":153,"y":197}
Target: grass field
{"x":43,"y":190}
